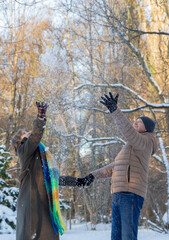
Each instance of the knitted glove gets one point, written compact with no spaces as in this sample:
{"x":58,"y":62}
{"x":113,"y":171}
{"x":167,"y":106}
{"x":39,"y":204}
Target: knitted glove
{"x":85,"y":181}
{"x":42,"y":108}
{"x":110,"y":102}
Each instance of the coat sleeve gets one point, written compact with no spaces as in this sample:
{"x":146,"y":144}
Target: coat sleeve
{"x":67,"y":181}
{"x":105,"y":172}
{"x":28,"y":147}
{"x":136,"y":139}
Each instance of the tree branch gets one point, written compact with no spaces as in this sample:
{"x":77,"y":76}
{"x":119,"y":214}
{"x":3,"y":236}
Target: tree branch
{"x":117,"y":139}
{"x":119,"y":85}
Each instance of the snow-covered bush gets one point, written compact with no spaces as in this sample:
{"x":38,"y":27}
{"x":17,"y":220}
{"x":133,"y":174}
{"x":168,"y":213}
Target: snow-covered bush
{"x":63,"y":204}
{"x":8,"y":195}
{"x":4,"y":163}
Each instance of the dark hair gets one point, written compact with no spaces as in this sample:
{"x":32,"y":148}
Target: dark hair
{"x":17,"y":139}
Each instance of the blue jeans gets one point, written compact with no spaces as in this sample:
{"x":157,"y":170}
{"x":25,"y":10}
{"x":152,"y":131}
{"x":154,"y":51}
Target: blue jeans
{"x":126,"y":208}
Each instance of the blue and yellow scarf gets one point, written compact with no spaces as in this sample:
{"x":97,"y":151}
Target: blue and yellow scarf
{"x":51,"y":175}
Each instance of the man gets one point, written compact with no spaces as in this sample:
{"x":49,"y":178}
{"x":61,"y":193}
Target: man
{"x":35,"y":205}
{"x":129,"y":171}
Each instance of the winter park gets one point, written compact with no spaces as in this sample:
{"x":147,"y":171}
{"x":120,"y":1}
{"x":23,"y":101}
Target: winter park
{"x":84,"y":119}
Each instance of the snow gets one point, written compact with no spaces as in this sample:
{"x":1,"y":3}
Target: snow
{"x":165,"y":218}
{"x":2,"y":151}
{"x":2,"y":146}
{"x":33,"y":236}
{"x":85,"y":149}
{"x":6,"y":213}
{"x":2,"y":181}
{"x":82,"y":232}
{"x":148,"y":12}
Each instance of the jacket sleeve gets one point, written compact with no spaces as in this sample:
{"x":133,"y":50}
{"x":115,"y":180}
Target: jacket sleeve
{"x":136,"y":139}
{"x":105,"y":172}
{"x":67,"y":181}
{"x":28,"y":147}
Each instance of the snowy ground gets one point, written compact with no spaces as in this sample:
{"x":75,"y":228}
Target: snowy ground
{"x":81,"y":232}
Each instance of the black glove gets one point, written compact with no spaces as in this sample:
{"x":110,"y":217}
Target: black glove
{"x":42,"y":108}
{"x":86,"y":181}
{"x":80,"y":182}
{"x":110,"y":102}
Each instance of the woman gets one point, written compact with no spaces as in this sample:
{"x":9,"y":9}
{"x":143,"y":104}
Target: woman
{"x":34,"y":218}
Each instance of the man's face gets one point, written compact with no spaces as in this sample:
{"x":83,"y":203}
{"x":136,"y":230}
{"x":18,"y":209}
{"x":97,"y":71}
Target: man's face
{"x":25,"y":135}
{"x":139,"y":126}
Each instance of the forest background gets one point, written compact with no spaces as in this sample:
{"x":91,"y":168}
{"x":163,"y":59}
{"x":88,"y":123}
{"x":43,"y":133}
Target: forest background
{"x":68,"y":53}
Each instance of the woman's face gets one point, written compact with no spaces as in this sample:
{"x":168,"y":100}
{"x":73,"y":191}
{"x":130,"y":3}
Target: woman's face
{"x":25,"y":134}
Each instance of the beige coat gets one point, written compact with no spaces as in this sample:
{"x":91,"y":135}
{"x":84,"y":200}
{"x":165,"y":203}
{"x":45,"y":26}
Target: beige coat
{"x":129,"y":171}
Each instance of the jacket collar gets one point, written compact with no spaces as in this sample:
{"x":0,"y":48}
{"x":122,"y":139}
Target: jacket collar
{"x":23,"y":140}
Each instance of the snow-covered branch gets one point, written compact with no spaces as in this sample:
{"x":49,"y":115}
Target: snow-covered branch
{"x":119,"y":85}
{"x":152,"y":225}
{"x":107,"y":112}
{"x":156,"y":157}
{"x":27,"y":4}
{"x":104,"y":144}
{"x":116,"y":139}
{"x":13,"y":169}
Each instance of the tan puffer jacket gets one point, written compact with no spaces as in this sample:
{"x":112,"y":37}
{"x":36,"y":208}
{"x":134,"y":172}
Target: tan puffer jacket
{"x":130,"y":169}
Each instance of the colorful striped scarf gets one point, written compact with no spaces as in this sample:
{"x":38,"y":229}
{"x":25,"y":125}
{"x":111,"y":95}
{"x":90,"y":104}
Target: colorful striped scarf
{"x":51,"y":175}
